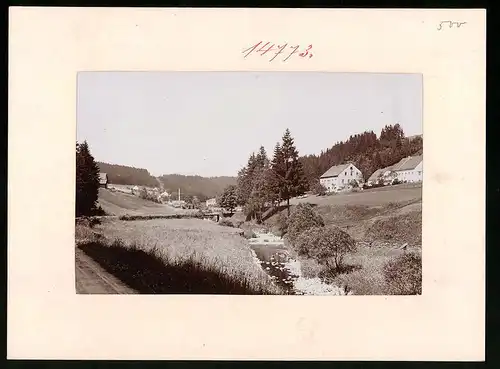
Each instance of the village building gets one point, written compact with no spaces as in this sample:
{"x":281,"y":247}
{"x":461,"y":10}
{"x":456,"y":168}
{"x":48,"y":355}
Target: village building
{"x":103,"y":180}
{"x":340,"y":177}
{"x":211,"y":202}
{"x":407,"y":170}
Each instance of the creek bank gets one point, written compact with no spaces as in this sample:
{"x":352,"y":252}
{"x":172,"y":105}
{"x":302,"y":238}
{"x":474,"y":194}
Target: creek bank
{"x":272,"y":255}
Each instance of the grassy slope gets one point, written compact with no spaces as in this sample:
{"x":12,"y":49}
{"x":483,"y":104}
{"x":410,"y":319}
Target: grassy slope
{"x":388,"y":217}
{"x":372,"y":214}
{"x":186,"y":246}
{"x":118,"y":203}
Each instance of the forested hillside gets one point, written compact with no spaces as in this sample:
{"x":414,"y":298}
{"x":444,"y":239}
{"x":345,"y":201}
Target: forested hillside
{"x":367,"y":151}
{"x":121,"y":174}
{"x":202,"y":187}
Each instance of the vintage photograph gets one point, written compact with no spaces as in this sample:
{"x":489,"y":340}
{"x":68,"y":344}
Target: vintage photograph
{"x":249,"y":183}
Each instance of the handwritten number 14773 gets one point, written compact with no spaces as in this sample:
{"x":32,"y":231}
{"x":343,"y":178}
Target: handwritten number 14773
{"x":273,"y":50}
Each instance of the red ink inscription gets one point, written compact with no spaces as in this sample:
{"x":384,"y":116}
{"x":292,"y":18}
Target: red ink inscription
{"x":286,"y":51}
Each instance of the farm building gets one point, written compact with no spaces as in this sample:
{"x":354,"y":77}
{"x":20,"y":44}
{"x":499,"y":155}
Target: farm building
{"x":103,"y":180}
{"x":211,"y":202}
{"x":340,"y":176}
{"x":408,"y":170}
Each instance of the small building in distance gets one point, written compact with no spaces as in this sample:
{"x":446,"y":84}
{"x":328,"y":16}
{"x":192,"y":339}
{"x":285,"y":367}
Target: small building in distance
{"x":103,"y":180}
{"x":340,"y":176}
{"x":211,"y":202}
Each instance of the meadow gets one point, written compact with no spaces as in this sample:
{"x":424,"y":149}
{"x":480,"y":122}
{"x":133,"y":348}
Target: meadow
{"x":384,"y":222}
{"x":177,"y":256}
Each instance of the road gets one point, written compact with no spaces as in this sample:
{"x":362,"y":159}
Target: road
{"x":93,"y":279}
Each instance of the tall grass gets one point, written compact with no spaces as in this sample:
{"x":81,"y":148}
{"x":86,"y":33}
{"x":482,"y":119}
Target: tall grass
{"x":151,"y":271}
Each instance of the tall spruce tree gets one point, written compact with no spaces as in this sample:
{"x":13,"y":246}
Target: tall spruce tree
{"x":289,"y":171}
{"x":87,"y":180}
{"x":273,"y":178}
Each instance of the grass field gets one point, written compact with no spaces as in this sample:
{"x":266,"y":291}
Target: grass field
{"x":372,"y":197}
{"x":119,"y":203}
{"x":381,"y":220}
{"x":195,"y":251}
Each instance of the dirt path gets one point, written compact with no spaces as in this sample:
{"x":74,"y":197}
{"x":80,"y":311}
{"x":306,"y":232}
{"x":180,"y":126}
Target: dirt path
{"x":92,"y":279}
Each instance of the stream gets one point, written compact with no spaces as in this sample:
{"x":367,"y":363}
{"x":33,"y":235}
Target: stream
{"x":274,"y":259}
{"x":272,"y":256}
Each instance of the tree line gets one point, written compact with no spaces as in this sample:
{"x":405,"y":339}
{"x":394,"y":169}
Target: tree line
{"x":367,"y":151}
{"x":125,"y":175}
{"x":265,"y":182}
{"x":87,"y":182}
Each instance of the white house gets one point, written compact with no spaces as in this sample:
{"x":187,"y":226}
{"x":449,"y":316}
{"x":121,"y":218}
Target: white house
{"x":211,"y":202}
{"x":409,"y":170}
{"x":103,"y":180}
{"x":340,"y":176}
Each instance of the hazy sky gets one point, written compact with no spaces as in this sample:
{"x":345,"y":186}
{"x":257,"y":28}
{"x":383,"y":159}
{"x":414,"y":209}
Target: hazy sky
{"x":208,"y":123}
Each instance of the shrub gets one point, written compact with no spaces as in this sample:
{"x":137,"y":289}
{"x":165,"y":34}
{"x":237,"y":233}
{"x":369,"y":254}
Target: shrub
{"x":403,"y":274}
{"x":319,"y":189}
{"x":249,"y":234}
{"x":327,"y":245}
{"x":146,"y":195}
{"x":226,"y":223}
{"x":282,"y":223}
{"x":353,"y":183}
{"x":302,"y":218}
{"x":98,"y":211}
{"x":361,"y":282}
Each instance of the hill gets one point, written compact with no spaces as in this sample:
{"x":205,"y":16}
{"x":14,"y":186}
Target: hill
{"x":125,"y":175}
{"x":367,"y":151}
{"x":118,"y":203}
{"x":202,"y":187}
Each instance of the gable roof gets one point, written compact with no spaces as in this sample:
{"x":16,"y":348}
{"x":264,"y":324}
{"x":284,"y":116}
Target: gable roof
{"x":408,"y":163}
{"x":335,"y":170}
{"x":103,"y":178}
{"x":376,"y":174}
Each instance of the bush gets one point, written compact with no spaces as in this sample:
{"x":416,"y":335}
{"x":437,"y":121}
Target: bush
{"x":226,"y":223}
{"x":361,"y":282}
{"x":327,"y":245}
{"x":403,"y":274}
{"x":249,"y":234}
{"x":301,"y":219}
{"x":282,"y":223}
{"x":319,"y":189}
{"x":146,"y":195}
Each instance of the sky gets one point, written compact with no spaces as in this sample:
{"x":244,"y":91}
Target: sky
{"x":208,"y":123}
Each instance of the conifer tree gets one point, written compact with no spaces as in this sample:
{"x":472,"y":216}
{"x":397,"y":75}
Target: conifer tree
{"x":87,"y":180}
{"x":288,"y":171}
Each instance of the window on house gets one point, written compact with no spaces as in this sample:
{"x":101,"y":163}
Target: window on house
{"x":342,"y":181}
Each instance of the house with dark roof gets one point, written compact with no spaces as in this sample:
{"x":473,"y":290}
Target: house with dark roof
{"x":103,"y":180}
{"x":340,"y":176}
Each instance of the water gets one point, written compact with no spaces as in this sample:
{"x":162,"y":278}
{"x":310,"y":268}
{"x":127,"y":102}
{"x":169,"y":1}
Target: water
{"x":272,"y":259}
